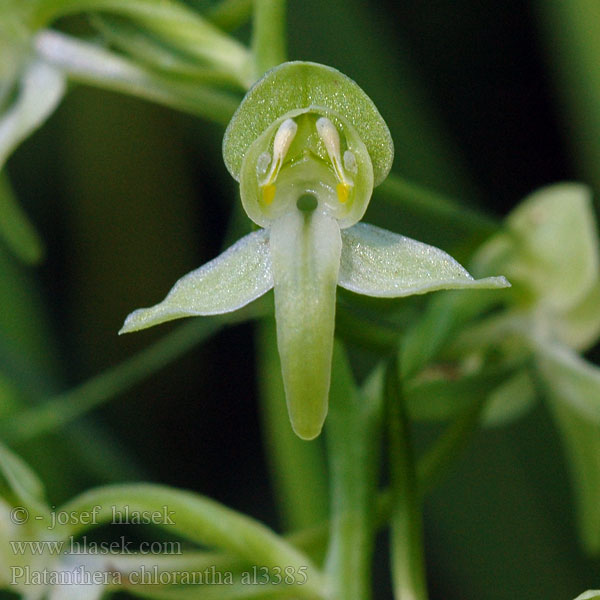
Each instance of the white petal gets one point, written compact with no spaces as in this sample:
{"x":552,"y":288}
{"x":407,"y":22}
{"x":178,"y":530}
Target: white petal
{"x":305,"y":250}
{"x":42,"y":88}
{"x":377,"y":262}
{"x":232,"y":280}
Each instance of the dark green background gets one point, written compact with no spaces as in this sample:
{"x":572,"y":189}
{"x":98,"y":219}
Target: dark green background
{"x":130,"y":196}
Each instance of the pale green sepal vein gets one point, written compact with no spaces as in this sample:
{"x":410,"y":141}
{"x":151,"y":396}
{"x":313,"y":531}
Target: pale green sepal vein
{"x":305,"y":250}
{"x":377,"y":262}
{"x":233,"y":279}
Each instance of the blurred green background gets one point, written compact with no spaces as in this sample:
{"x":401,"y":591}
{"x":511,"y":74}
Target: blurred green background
{"x":130,"y":196}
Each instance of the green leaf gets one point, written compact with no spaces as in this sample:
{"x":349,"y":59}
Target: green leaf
{"x":572,"y":379}
{"x":510,"y":401}
{"x":440,"y":456}
{"x":13,"y":43}
{"x":21,"y":479}
{"x":42,"y":88}
{"x":377,"y":262}
{"x":305,"y":251}
{"x":300,"y":85}
{"x":235,"y":278}
{"x":15,"y":228}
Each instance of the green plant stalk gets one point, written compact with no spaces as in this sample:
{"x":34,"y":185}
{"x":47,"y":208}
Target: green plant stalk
{"x":89,"y":64}
{"x":28,"y":354}
{"x":68,"y":406}
{"x":408,"y":195}
{"x":353,"y":431}
{"x":297,"y":466}
{"x":572,"y":39}
{"x":436,"y":461}
{"x":364,"y":329}
{"x":230,"y":14}
{"x":149,"y":50}
{"x":408,"y":564}
{"x":171,"y":20}
{"x":430,"y":468}
{"x":268,"y":36}
{"x":202,"y":521}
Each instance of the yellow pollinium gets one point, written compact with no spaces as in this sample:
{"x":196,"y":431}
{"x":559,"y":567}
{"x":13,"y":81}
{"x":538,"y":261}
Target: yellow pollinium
{"x":268,"y":193}
{"x":343,"y":192}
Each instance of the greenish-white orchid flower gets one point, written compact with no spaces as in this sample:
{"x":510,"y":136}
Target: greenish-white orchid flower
{"x":307,"y":146}
{"x":549,"y":249}
{"x":32,"y":564}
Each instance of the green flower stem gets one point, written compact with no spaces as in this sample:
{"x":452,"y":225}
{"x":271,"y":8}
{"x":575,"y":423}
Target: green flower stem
{"x":15,"y":228}
{"x":572,"y":32}
{"x":230,"y":14}
{"x":148,"y":49}
{"x":92,"y":65}
{"x":313,"y":540}
{"x":429,"y":468}
{"x":420,"y":200}
{"x":174,"y":22}
{"x":353,"y":435}
{"x":204,"y":522}
{"x":268,"y":36}
{"x":70,"y":405}
{"x":445,"y":313}
{"x":448,"y":447}
{"x":297,"y":466}
{"x":408,"y":568}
